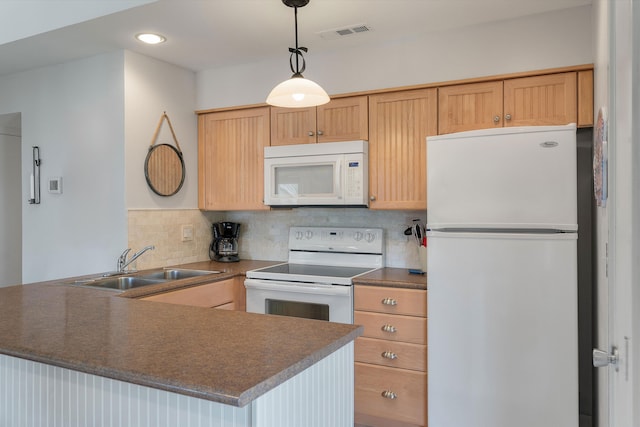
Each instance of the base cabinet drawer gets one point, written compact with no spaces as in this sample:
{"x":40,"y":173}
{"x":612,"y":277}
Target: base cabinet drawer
{"x":410,"y":302}
{"x":397,"y":395}
{"x":392,"y":327}
{"x":391,"y":353}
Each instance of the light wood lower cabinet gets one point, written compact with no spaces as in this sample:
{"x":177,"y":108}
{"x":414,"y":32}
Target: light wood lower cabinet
{"x":391,"y":357}
{"x":391,"y":396}
{"x":225,"y":294}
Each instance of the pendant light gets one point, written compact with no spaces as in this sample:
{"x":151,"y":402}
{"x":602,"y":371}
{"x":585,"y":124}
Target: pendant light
{"x":297,"y":92}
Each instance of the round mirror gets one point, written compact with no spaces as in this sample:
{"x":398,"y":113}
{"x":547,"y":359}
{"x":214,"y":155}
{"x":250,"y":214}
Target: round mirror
{"x":164,"y":169}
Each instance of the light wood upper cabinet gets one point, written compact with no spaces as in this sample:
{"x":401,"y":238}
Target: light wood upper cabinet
{"x":469,"y":106}
{"x":399,"y":123}
{"x":231,"y":159}
{"x":585,"y":98}
{"x":550,"y":99}
{"x":342,"y":119}
{"x":541,"y":100}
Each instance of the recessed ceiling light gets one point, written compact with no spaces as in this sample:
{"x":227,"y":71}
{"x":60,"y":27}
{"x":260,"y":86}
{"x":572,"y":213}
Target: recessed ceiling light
{"x":150,"y":38}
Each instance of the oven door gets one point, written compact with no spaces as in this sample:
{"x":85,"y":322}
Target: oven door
{"x":309,"y":300}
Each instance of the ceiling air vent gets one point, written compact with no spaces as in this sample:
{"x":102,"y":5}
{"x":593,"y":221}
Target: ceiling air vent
{"x":345,"y":31}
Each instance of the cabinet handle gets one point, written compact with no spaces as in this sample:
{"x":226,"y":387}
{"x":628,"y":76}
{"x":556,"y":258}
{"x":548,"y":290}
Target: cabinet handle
{"x":507,"y":117}
{"x":389,"y":328}
{"x":320,"y":133}
{"x":388,"y":394}
{"x":372,"y":198}
{"x":389,"y":301}
{"x":389,"y":355}
{"x":310,"y":133}
{"x":496,"y":119}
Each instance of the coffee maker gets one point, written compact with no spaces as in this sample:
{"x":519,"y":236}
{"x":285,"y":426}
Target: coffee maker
{"x":224,"y":247}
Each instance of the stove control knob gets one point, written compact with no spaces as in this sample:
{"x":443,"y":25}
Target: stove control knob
{"x":370,"y":237}
{"x":299,"y":235}
{"x":308,"y":234}
{"x":357,"y":236}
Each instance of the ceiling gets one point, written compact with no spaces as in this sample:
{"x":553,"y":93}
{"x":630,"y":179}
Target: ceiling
{"x":205,"y":34}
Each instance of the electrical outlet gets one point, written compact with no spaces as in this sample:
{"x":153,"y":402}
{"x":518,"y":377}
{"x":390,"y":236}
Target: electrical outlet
{"x":187,"y":233}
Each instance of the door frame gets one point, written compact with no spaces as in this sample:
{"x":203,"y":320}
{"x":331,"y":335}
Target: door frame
{"x":618,"y":291}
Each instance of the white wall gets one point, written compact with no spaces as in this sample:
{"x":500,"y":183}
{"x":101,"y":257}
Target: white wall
{"x":152,"y":87}
{"x":74,"y":113}
{"x":542,"y":41}
{"x":11,"y":211}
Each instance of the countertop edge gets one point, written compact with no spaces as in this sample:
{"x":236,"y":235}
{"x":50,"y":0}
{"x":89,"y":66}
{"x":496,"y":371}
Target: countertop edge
{"x":267,"y":385}
{"x":243,"y":399}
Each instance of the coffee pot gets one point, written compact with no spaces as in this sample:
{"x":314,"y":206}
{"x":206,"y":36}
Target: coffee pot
{"x":224,"y":247}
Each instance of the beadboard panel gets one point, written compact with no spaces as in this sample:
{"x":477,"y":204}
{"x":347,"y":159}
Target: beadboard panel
{"x":34,"y":394}
{"x":39,"y":395}
{"x":320,"y":396}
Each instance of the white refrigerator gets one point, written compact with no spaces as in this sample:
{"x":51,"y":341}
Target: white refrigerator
{"x":502,"y":278}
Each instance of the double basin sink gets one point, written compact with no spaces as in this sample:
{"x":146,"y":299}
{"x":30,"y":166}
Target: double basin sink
{"x":124,"y":281}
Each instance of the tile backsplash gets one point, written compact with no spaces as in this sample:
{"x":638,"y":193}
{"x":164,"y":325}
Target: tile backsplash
{"x":163,"y":229}
{"x":263,"y":234}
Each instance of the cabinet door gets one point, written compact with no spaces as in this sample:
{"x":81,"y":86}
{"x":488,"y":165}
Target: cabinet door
{"x":541,"y":100}
{"x":469,"y":106}
{"x":231,"y":159}
{"x":343,"y":119}
{"x":293,"y":125}
{"x":210,"y":295}
{"x":399,"y":125}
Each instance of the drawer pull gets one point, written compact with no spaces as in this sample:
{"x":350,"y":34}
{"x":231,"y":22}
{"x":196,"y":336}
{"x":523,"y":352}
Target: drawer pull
{"x":388,"y":328}
{"x":389,"y":355}
{"x":389,"y":301}
{"x":388,"y":394}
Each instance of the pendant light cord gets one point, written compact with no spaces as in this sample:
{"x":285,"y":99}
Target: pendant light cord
{"x":297,"y":72}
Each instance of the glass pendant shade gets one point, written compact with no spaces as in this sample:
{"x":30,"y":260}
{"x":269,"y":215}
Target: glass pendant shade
{"x":297,"y":92}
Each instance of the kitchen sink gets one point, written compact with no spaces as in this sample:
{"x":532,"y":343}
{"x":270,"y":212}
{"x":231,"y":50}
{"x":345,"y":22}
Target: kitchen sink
{"x":121,"y":283}
{"x":176,"y":274}
{"x":131,"y":281}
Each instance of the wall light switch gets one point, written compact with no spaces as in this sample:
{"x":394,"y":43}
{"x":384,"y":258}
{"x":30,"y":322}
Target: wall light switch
{"x":187,"y":233}
{"x":55,"y":185}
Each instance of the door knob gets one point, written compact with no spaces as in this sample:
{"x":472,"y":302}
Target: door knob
{"x":602,"y":358}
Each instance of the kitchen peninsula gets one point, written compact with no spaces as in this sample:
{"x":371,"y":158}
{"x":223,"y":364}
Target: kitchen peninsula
{"x":76,"y":356}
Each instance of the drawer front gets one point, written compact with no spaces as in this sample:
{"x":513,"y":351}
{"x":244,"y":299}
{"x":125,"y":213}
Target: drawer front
{"x":408,"y":387}
{"x":389,"y":327}
{"x":209,"y":295}
{"x":391,"y":353}
{"x":410,"y":302}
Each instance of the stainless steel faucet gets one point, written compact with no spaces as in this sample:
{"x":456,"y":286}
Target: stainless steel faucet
{"x":122,"y":259}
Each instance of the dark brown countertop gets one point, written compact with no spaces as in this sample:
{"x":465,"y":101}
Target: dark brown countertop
{"x":219,"y":355}
{"x":393,"y":277}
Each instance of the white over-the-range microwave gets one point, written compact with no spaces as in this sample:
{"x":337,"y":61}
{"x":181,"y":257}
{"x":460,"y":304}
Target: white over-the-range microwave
{"x":323,"y":174}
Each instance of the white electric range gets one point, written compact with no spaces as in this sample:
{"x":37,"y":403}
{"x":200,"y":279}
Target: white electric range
{"x":317,"y":280}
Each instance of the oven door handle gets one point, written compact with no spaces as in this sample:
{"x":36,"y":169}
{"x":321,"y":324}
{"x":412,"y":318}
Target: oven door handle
{"x":307,"y":288}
